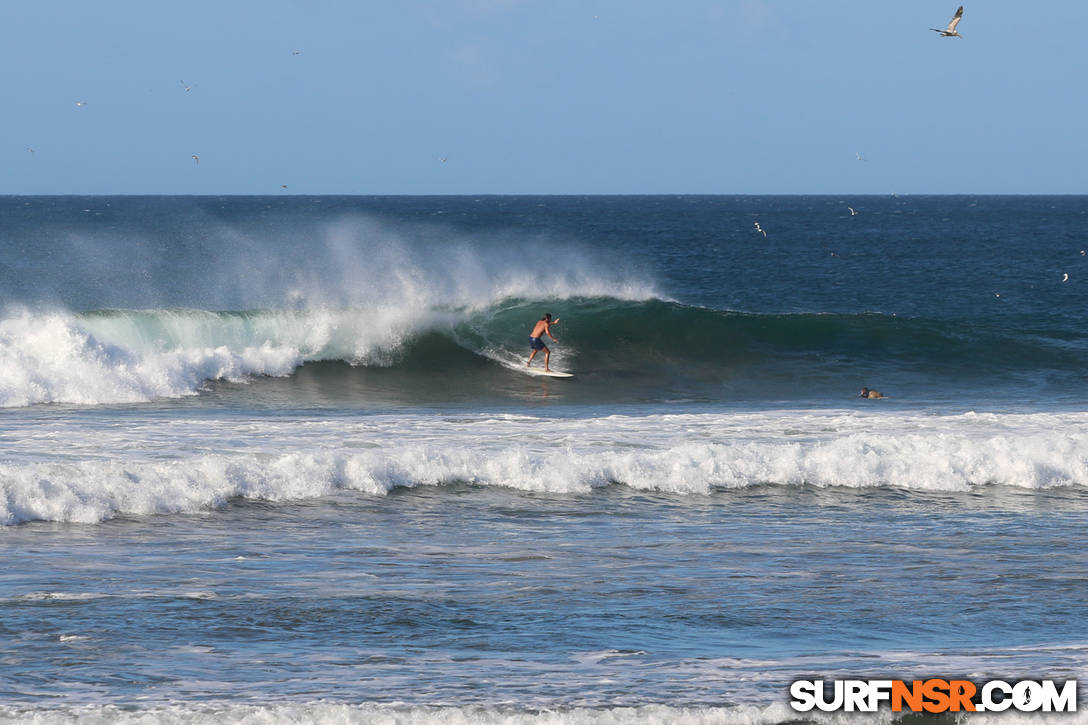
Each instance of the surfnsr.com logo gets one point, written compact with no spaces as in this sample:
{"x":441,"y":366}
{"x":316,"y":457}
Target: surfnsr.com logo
{"x":933,"y":695}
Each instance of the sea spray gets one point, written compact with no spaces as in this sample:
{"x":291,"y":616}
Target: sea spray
{"x":270,"y":258}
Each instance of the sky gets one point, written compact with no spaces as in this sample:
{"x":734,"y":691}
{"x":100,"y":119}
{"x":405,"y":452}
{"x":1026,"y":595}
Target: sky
{"x":542,"y":97}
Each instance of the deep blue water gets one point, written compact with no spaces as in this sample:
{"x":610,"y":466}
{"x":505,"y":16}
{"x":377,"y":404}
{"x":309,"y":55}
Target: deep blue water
{"x":279,"y":457}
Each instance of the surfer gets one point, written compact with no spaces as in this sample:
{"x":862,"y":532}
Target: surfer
{"x":866,"y":393}
{"x":536,"y":339}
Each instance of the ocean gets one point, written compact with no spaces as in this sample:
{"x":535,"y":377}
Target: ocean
{"x":277,"y":459}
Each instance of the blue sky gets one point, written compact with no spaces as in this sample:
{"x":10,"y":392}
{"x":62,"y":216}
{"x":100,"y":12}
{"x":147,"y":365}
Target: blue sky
{"x":542,"y":96}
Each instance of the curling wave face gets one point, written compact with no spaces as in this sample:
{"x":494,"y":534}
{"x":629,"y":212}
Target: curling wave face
{"x":649,"y":349}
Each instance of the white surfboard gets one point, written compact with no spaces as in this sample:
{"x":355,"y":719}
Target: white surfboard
{"x":516,"y":362}
{"x":549,"y":373}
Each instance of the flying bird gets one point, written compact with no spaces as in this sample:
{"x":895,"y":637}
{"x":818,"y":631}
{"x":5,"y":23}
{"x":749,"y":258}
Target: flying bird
{"x":196,"y":159}
{"x":760,"y":229}
{"x":860,"y":158}
{"x":186,"y":86}
{"x":852,"y":212}
{"x":950,"y":31}
{"x":80,"y":104}
{"x":1065,"y":277}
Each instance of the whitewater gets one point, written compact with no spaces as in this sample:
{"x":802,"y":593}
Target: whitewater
{"x":267,"y":459}
{"x":164,"y":467}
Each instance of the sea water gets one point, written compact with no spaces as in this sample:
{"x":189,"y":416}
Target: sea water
{"x":272,"y":459}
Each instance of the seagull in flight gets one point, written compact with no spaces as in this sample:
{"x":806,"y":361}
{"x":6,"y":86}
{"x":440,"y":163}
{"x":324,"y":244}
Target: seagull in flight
{"x":80,"y":104}
{"x":950,"y":31}
{"x":852,"y":212}
{"x":186,"y":86}
{"x":196,"y":159}
{"x":1065,"y":277}
{"x":760,"y":229}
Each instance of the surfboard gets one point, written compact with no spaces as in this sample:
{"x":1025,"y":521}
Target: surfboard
{"x":549,"y":373}
{"x":516,"y":362}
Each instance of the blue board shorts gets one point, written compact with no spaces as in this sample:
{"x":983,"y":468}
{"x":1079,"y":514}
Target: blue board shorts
{"x":536,"y":343}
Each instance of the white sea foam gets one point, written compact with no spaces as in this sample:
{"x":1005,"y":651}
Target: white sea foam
{"x":55,"y":358}
{"x":319,"y":713}
{"x":346,"y":714}
{"x":182,"y":466}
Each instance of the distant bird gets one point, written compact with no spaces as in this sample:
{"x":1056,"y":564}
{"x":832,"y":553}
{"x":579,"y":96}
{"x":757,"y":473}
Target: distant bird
{"x":80,"y":104}
{"x":950,"y":31}
{"x":296,"y":52}
{"x":443,"y":159}
{"x":186,"y":86}
{"x":196,"y":159}
{"x":1083,"y":252}
{"x":859,"y":156}
{"x":852,"y":212}
{"x":760,"y":229}
{"x":30,"y":150}
{"x":283,"y":186}
{"x":1065,"y":277}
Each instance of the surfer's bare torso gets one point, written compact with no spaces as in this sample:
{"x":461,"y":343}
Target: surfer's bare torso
{"x":536,"y":339}
{"x":541,"y":328}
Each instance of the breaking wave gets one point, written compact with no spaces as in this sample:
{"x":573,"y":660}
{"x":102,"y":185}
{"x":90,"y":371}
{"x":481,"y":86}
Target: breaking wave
{"x":125,"y":356}
{"x":687,"y":455}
